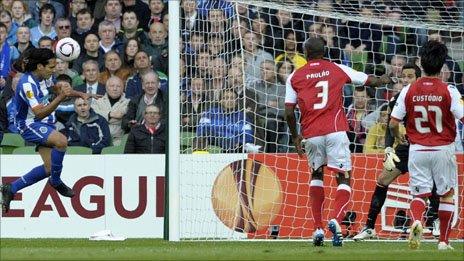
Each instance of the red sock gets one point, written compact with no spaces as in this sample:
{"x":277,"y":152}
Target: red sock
{"x":417,"y":208}
{"x":316,"y":193}
{"x":342,"y":198}
{"x":445,"y":214}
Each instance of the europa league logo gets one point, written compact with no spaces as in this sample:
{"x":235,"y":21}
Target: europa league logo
{"x":246,"y":196}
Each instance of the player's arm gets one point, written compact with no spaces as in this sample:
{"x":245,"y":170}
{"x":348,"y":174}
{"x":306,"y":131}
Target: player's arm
{"x":291,"y":121}
{"x":377,"y":81}
{"x":41,"y":111}
{"x":397,"y":115}
{"x":290,"y":104}
{"x":360,"y":78}
{"x":457,"y":103}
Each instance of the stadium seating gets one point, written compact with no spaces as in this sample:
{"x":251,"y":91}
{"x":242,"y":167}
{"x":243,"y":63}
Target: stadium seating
{"x":27,"y":150}
{"x":78,"y":150}
{"x":10,"y":142}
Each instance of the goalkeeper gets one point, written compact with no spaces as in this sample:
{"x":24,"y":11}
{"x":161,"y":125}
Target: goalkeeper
{"x":395,"y":164}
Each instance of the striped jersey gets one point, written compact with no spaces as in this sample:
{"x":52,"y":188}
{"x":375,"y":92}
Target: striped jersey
{"x":31,"y":92}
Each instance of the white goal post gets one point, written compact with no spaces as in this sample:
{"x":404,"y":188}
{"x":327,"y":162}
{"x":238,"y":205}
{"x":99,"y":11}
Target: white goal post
{"x":232,"y":170}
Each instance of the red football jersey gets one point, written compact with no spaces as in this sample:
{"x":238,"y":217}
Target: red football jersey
{"x":317,"y":88}
{"x":432,"y":107}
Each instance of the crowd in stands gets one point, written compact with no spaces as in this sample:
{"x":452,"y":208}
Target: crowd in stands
{"x":235,"y":60}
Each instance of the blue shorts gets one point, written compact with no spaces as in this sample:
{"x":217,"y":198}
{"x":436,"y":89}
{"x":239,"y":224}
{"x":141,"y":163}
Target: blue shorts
{"x":37,"y":132}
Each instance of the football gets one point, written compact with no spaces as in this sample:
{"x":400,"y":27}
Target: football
{"x":67,"y":49}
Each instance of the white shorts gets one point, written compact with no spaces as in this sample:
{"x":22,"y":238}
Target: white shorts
{"x":332,"y":150}
{"x":426,"y":167}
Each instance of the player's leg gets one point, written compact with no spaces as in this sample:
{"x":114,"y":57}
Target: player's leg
{"x":36,"y":133}
{"x":53,"y":160}
{"x":444,"y":175}
{"x":432,"y":222}
{"x":339,"y":160}
{"x":420,"y":183}
{"x":315,"y":150}
{"x":380,"y":192}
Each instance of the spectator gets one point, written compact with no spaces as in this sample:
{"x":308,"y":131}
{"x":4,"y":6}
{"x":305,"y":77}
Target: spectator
{"x":5,"y":17}
{"x":7,"y":55}
{"x":356,"y":112}
{"x":131,"y":47}
{"x":91,"y":75}
{"x":334,"y":53}
{"x":45,"y":42}
{"x":284,"y":69}
{"x":149,"y":137}
{"x":62,"y":67}
{"x":7,"y":106}
{"x":91,"y":51}
{"x":21,"y":15}
{"x":85,"y":24}
{"x":202,"y":63}
{"x":130,"y":29}
{"x":139,"y":8}
{"x":35,"y":8}
{"x":217,"y":81}
{"x":291,"y":50}
{"x":196,"y":103}
{"x":66,"y":108}
{"x":239,"y":28}
{"x":270,"y":95}
{"x":225,"y":126}
{"x":45,"y":27}
{"x":141,"y":66}
{"x":113,"y":106}
{"x":261,"y":28}
{"x":190,"y":20}
{"x":283,"y":20}
{"x":235,"y":83}
{"x":253,"y":57}
{"x":216,"y":46}
{"x":217,"y":22}
{"x":113,"y":11}
{"x":62,"y":28}
{"x":87,"y":128}
{"x":456,"y":75}
{"x":375,"y":139}
{"x":113,"y":66}
{"x":76,"y":6}
{"x":107,"y":34}
{"x":445,"y":74}
{"x":150,"y":96}
{"x":158,"y":44}
{"x":397,"y":62}
{"x":23,"y":34}
{"x":157,"y":11}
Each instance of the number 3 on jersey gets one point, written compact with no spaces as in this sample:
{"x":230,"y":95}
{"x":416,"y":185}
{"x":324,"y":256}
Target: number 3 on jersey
{"x":323,"y":94}
{"x":425,"y":119}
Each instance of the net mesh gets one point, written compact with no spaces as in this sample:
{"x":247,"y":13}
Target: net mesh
{"x":235,"y":59}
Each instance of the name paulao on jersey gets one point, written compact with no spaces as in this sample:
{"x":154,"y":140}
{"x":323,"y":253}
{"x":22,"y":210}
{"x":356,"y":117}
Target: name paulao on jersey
{"x":317,"y":75}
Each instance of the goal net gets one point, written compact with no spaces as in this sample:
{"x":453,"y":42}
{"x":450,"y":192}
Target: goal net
{"x":240,"y":177}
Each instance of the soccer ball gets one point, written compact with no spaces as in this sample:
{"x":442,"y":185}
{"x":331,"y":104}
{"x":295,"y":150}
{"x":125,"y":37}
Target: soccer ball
{"x":67,"y":49}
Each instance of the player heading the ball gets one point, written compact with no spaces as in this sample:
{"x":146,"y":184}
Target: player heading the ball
{"x":36,"y":120}
{"x":317,"y":89}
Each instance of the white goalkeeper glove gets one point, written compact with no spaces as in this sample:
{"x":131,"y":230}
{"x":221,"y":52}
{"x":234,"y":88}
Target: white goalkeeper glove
{"x":390,"y":159}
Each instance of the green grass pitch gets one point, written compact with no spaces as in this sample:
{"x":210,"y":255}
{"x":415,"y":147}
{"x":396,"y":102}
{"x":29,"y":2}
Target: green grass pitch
{"x":136,"y":249}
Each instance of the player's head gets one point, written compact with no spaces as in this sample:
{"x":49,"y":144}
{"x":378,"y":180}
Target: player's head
{"x":314,"y":48}
{"x":60,"y":80}
{"x":410,"y":73}
{"x":433,"y":56}
{"x":64,"y":78}
{"x":41,"y":61}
